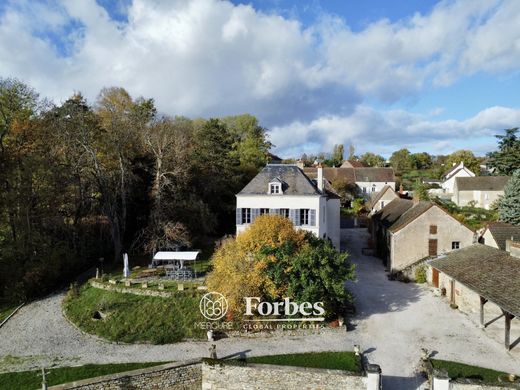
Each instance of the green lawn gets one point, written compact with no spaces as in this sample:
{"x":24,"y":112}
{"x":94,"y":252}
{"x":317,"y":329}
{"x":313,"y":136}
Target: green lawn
{"x":131,"y":318}
{"x":28,"y":380}
{"x":331,"y":360}
{"x":462,"y":371}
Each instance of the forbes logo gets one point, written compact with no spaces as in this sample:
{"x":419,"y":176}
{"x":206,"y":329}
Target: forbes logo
{"x":286,"y":307}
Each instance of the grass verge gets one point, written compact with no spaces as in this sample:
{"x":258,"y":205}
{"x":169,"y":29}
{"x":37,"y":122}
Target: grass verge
{"x":346,"y":361}
{"x":32,"y":380}
{"x":463,"y":371}
{"x":130,"y":318}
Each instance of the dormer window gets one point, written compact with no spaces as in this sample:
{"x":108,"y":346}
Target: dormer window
{"x":275,"y":188}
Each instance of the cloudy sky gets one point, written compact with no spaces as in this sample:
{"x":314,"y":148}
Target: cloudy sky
{"x":429,"y":75}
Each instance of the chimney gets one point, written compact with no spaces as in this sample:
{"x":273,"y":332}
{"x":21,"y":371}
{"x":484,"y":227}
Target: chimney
{"x":320,"y":177}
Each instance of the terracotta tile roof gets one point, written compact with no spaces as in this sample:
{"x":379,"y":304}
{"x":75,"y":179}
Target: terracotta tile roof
{"x":490,"y":272}
{"x":375,"y":174}
{"x":502,"y":231}
{"x":352,"y":164}
{"x":481,"y":183}
{"x":352,"y":175}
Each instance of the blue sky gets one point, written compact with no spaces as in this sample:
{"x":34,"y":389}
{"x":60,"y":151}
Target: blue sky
{"x":432,"y":76}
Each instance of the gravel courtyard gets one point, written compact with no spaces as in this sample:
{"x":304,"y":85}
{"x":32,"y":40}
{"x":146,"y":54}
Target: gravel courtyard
{"x":393,"y":322}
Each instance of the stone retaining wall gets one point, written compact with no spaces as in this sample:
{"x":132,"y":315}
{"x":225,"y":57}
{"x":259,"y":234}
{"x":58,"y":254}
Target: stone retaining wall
{"x":129,"y":290}
{"x":173,"y":376}
{"x":227,"y":376}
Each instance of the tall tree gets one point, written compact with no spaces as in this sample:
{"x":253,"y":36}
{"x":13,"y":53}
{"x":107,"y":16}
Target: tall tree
{"x":337,"y":154}
{"x":372,"y":160}
{"x":421,"y":160}
{"x":400,"y":161}
{"x":351,"y":151}
{"x":509,"y":204}
{"x":465,"y":156}
{"x":506,"y":159}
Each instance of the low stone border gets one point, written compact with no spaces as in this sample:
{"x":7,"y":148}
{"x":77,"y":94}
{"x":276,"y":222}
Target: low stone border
{"x":135,"y":291}
{"x":12,"y":314}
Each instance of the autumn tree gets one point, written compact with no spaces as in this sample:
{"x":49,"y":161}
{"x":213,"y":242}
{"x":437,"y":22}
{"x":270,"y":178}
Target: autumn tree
{"x":337,"y":154}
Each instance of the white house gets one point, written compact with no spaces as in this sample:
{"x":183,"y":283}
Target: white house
{"x":449,"y":178}
{"x":286,"y":190}
{"x":481,"y":190}
{"x":381,"y":199}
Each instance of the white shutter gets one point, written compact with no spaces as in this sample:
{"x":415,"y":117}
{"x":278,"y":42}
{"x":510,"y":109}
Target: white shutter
{"x":274,"y":211}
{"x":312,"y":217}
{"x":239,"y":216}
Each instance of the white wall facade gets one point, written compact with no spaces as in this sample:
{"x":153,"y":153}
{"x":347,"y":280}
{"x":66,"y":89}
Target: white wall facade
{"x":483,"y":199}
{"x":373,"y":187}
{"x":449,"y":184}
{"x":327,"y":211}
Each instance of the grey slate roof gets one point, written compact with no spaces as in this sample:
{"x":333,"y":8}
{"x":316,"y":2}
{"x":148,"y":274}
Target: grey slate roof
{"x":481,"y":183}
{"x":295,"y":182}
{"x":411,"y":214}
{"x":490,"y":272}
{"x":502,"y":231}
{"x":389,"y":214}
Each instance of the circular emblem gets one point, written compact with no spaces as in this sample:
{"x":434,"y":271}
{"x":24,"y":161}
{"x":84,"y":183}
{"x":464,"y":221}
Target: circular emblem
{"x":213,"y":306}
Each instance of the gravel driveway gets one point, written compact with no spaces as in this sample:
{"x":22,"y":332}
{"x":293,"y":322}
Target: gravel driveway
{"x":394,"y":321}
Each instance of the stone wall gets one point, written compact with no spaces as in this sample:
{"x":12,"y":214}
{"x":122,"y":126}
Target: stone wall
{"x":173,"y":376}
{"x":130,"y":290}
{"x":217,"y":376}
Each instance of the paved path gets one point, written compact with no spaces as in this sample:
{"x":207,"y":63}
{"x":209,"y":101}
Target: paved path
{"x":394,"y":321}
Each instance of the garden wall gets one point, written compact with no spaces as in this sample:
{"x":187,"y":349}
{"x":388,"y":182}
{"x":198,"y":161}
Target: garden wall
{"x":265,"y":376}
{"x":173,"y":376}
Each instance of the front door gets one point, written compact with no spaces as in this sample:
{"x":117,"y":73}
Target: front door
{"x":435,"y":277}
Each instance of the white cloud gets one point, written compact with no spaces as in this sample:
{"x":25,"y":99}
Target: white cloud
{"x":210,"y":57}
{"x":387,"y":131}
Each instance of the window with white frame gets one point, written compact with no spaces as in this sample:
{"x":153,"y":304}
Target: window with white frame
{"x":275,"y":188}
{"x":264,"y":211}
{"x":373,"y":188}
{"x":284,"y":213}
{"x":246,"y":216}
{"x":455,"y":245}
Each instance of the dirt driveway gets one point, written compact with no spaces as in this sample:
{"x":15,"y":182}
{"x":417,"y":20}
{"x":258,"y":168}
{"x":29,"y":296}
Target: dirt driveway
{"x":394,"y":321}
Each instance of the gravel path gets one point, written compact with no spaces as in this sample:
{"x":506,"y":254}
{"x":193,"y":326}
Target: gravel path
{"x":394,"y":321}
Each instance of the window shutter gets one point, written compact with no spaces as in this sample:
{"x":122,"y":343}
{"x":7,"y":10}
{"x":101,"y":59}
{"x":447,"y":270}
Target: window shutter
{"x":292,"y":216}
{"x":239,"y":216}
{"x":254,"y":213}
{"x":274,"y":211}
{"x":312,"y":217}
{"x":297,"y":221}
